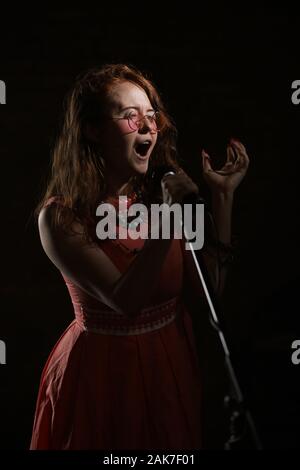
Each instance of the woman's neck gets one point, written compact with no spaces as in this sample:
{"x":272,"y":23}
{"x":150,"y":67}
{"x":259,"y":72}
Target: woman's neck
{"x":117,"y":186}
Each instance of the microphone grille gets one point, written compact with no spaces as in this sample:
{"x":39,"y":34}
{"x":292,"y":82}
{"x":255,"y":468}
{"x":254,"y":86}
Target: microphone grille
{"x":160,"y":171}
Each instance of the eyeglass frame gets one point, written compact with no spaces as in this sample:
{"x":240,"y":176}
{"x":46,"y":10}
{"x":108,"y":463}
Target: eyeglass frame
{"x":155,"y":113}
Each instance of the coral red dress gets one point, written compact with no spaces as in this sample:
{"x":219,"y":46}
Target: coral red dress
{"x":113,"y":382}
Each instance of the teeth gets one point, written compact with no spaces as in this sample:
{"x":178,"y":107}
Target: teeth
{"x":146,"y":142}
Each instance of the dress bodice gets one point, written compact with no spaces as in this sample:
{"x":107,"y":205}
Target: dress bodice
{"x":93,"y":315}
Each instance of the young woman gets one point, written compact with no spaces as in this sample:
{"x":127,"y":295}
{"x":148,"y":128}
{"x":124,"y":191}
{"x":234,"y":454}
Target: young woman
{"x":124,"y":374}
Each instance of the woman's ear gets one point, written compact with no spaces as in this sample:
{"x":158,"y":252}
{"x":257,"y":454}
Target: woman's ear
{"x":92,"y":133}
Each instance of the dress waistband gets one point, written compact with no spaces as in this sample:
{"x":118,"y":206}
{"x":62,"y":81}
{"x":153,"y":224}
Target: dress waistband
{"x":109,"y":322}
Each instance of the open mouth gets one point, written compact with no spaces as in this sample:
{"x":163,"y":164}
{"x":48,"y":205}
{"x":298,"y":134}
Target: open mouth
{"x":142,"y":148}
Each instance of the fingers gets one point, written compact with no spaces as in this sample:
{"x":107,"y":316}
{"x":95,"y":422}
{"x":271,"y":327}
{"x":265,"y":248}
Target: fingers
{"x":231,"y":159}
{"x":227,"y":169}
{"x":206,"y":162}
{"x":181,"y":172}
{"x":237,"y":160}
{"x":242,"y":160}
{"x":176,"y":187}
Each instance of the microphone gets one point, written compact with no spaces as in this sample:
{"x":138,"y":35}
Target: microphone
{"x":161,"y":171}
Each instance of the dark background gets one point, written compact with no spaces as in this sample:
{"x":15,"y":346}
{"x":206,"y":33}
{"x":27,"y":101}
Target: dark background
{"x":222,"y":73}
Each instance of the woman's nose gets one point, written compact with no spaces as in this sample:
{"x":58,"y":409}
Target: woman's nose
{"x":144,"y":125}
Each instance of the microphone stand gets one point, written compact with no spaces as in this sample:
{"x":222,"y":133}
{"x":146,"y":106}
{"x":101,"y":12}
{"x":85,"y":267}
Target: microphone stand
{"x":240,"y":416}
{"x":234,"y":401}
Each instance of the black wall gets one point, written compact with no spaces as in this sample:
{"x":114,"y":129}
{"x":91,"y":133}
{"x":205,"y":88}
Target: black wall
{"x":221,"y":73}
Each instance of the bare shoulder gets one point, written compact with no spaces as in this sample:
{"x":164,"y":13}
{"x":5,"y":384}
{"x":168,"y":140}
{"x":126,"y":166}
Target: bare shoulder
{"x":56,"y":241}
{"x":82,"y":262}
{"x":46,"y":220}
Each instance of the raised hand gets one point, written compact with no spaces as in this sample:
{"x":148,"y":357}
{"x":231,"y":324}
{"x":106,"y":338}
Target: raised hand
{"x":227,"y":179}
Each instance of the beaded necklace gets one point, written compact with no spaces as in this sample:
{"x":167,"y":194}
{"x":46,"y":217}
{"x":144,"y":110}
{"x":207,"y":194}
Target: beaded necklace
{"x":125,"y":221}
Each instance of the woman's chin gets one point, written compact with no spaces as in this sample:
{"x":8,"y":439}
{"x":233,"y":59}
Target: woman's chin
{"x":140,"y":164}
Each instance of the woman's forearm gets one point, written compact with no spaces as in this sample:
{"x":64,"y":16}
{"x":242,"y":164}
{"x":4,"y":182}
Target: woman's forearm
{"x":222,"y":212}
{"x":221,"y":235}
